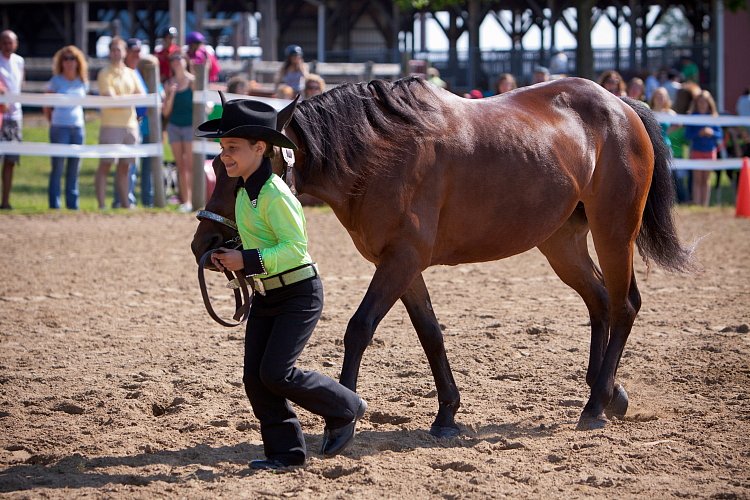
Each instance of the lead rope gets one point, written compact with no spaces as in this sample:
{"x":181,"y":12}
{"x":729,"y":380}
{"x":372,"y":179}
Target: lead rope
{"x":242,"y":297}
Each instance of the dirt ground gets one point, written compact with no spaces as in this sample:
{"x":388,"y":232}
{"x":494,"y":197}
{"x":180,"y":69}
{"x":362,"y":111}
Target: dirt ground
{"x":115,"y":383}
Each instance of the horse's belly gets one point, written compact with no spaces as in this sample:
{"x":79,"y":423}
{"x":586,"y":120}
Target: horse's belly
{"x":498,"y":229}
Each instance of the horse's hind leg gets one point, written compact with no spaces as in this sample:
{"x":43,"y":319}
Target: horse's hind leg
{"x":567,"y":252}
{"x":614,"y":241}
{"x":419,"y":307}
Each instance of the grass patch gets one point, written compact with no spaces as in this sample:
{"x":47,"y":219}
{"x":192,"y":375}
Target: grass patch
{"x":31,"y":176}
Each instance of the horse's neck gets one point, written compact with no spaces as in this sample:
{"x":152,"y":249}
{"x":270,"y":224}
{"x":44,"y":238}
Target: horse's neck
{"x":334,"y":196}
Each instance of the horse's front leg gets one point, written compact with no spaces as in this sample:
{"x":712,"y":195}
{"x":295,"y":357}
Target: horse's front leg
{"x":418,"y":305}
{"x":393,"y":276}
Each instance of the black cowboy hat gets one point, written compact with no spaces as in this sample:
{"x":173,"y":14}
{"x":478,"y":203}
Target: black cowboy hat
{"x":248,"y":119}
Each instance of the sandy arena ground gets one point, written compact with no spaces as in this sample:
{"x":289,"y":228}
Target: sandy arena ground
{"x":115,"y":383}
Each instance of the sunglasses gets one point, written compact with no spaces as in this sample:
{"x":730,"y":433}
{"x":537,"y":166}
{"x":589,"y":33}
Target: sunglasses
{"x":312,"y":87}
{"x":610,"y":82}
{"x":69,"y":58}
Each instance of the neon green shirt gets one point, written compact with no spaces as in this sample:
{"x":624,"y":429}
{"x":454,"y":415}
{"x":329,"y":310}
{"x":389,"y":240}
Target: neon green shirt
{"x":275,"y":226}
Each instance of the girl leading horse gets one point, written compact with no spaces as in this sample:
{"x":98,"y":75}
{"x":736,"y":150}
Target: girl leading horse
{"x":421,"y":177}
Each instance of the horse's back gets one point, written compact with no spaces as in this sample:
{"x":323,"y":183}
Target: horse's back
{"x":517,"y":165}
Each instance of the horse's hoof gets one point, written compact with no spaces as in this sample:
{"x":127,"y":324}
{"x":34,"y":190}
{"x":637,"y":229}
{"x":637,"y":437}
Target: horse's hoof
{"x":618,"y":405}
{"x":586,"y":423}
{"x":442,"y":431}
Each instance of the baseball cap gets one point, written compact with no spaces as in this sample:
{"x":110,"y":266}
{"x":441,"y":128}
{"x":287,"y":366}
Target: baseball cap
{"x":134,"y":43}
{"x":195,"y":37}
{"x":293,"y":49}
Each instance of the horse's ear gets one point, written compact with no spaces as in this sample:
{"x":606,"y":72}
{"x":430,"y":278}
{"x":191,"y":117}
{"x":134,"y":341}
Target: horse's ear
{"x":223,"y":99}
{"x":285,"y":115}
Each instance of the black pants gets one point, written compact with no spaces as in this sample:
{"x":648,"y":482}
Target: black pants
{"x":279,"y":326}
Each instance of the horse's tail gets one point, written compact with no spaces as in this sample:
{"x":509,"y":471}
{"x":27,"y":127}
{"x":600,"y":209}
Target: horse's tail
{"x":657,"y":238}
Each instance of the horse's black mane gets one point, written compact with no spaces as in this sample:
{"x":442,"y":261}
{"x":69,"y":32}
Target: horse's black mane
{"x":361,"y":129}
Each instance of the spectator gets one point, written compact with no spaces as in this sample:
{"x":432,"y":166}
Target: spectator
{"x":294,"y":70}
{"x":119,"y":125}
{"x":474,"y":94}
{"x":314,"y":85}
{"x":200,"y":53}
{"x":689,"y":70}
{"x":743,"y":108}
{"x":558,"y":63}
{"x":11,"y":78}
{"x":743,"y":103}
{"x":704,"y":144}
{"x":433,"y":76}
{"x":168,"y":48}
{"x":674,"y":137}
{"x":673,"y":85}
{"x":636,"y":89}
{"x":285,"y":92}
{"x":613,"y":82}
{"x":652,"y":83}
{"x":541,"y":74}
{"x":132,"y":58}
{"x":71,"y":77}
{"x":178,"y":109}
{"x":238,"y":84}
{"x":505,"y":83}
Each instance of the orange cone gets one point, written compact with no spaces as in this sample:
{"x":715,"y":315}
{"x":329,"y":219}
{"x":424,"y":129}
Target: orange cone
{"x":743,"y":190}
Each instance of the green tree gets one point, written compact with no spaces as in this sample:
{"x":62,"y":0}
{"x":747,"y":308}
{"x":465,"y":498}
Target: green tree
{"x":673,"y":28}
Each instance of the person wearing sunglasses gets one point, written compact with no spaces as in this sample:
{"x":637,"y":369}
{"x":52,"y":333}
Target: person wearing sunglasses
{"x":71,"y":77}
{"x":314,"y":85}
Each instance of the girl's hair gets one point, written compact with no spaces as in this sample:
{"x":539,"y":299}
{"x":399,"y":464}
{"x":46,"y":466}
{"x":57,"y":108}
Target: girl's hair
{"x":72,"y":50}
{"x":268,"y":153}
{"x":667,"y":100}
{"x":705,"y":94}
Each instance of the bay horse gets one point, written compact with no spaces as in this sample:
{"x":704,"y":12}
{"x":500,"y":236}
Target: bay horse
{"x":419,"y":177}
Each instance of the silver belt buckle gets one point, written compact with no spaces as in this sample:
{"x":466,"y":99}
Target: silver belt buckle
{"x":258,"y":286}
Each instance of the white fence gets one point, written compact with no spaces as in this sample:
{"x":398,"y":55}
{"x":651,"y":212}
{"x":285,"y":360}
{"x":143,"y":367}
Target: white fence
{"x":200,"y":146}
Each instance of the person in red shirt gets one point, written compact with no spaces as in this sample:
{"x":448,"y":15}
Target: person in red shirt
{"x":168,"y":48}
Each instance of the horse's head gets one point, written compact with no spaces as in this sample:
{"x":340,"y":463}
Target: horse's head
{"x":217,"y":226}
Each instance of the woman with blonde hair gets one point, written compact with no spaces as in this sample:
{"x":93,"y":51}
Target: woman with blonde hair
{"x":704,"y":144}
{"x":71,"y":77}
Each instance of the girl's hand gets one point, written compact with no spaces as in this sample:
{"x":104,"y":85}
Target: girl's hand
{"x":225,"y":259}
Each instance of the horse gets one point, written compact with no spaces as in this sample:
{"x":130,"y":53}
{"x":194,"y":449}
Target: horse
{"x":420,"y":177}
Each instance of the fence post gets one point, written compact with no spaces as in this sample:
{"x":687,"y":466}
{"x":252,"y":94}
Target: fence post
{"x":199,"y":116}
{"x":149,"y":68}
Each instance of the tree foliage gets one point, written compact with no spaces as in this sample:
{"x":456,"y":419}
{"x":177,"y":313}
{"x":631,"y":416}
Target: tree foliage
{"x":430,"y":5}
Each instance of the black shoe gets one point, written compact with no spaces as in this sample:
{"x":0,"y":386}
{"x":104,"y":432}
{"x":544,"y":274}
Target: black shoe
{"x":6,"y":207}
{"x":267,"y":465}
{"x":336,"y":440}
